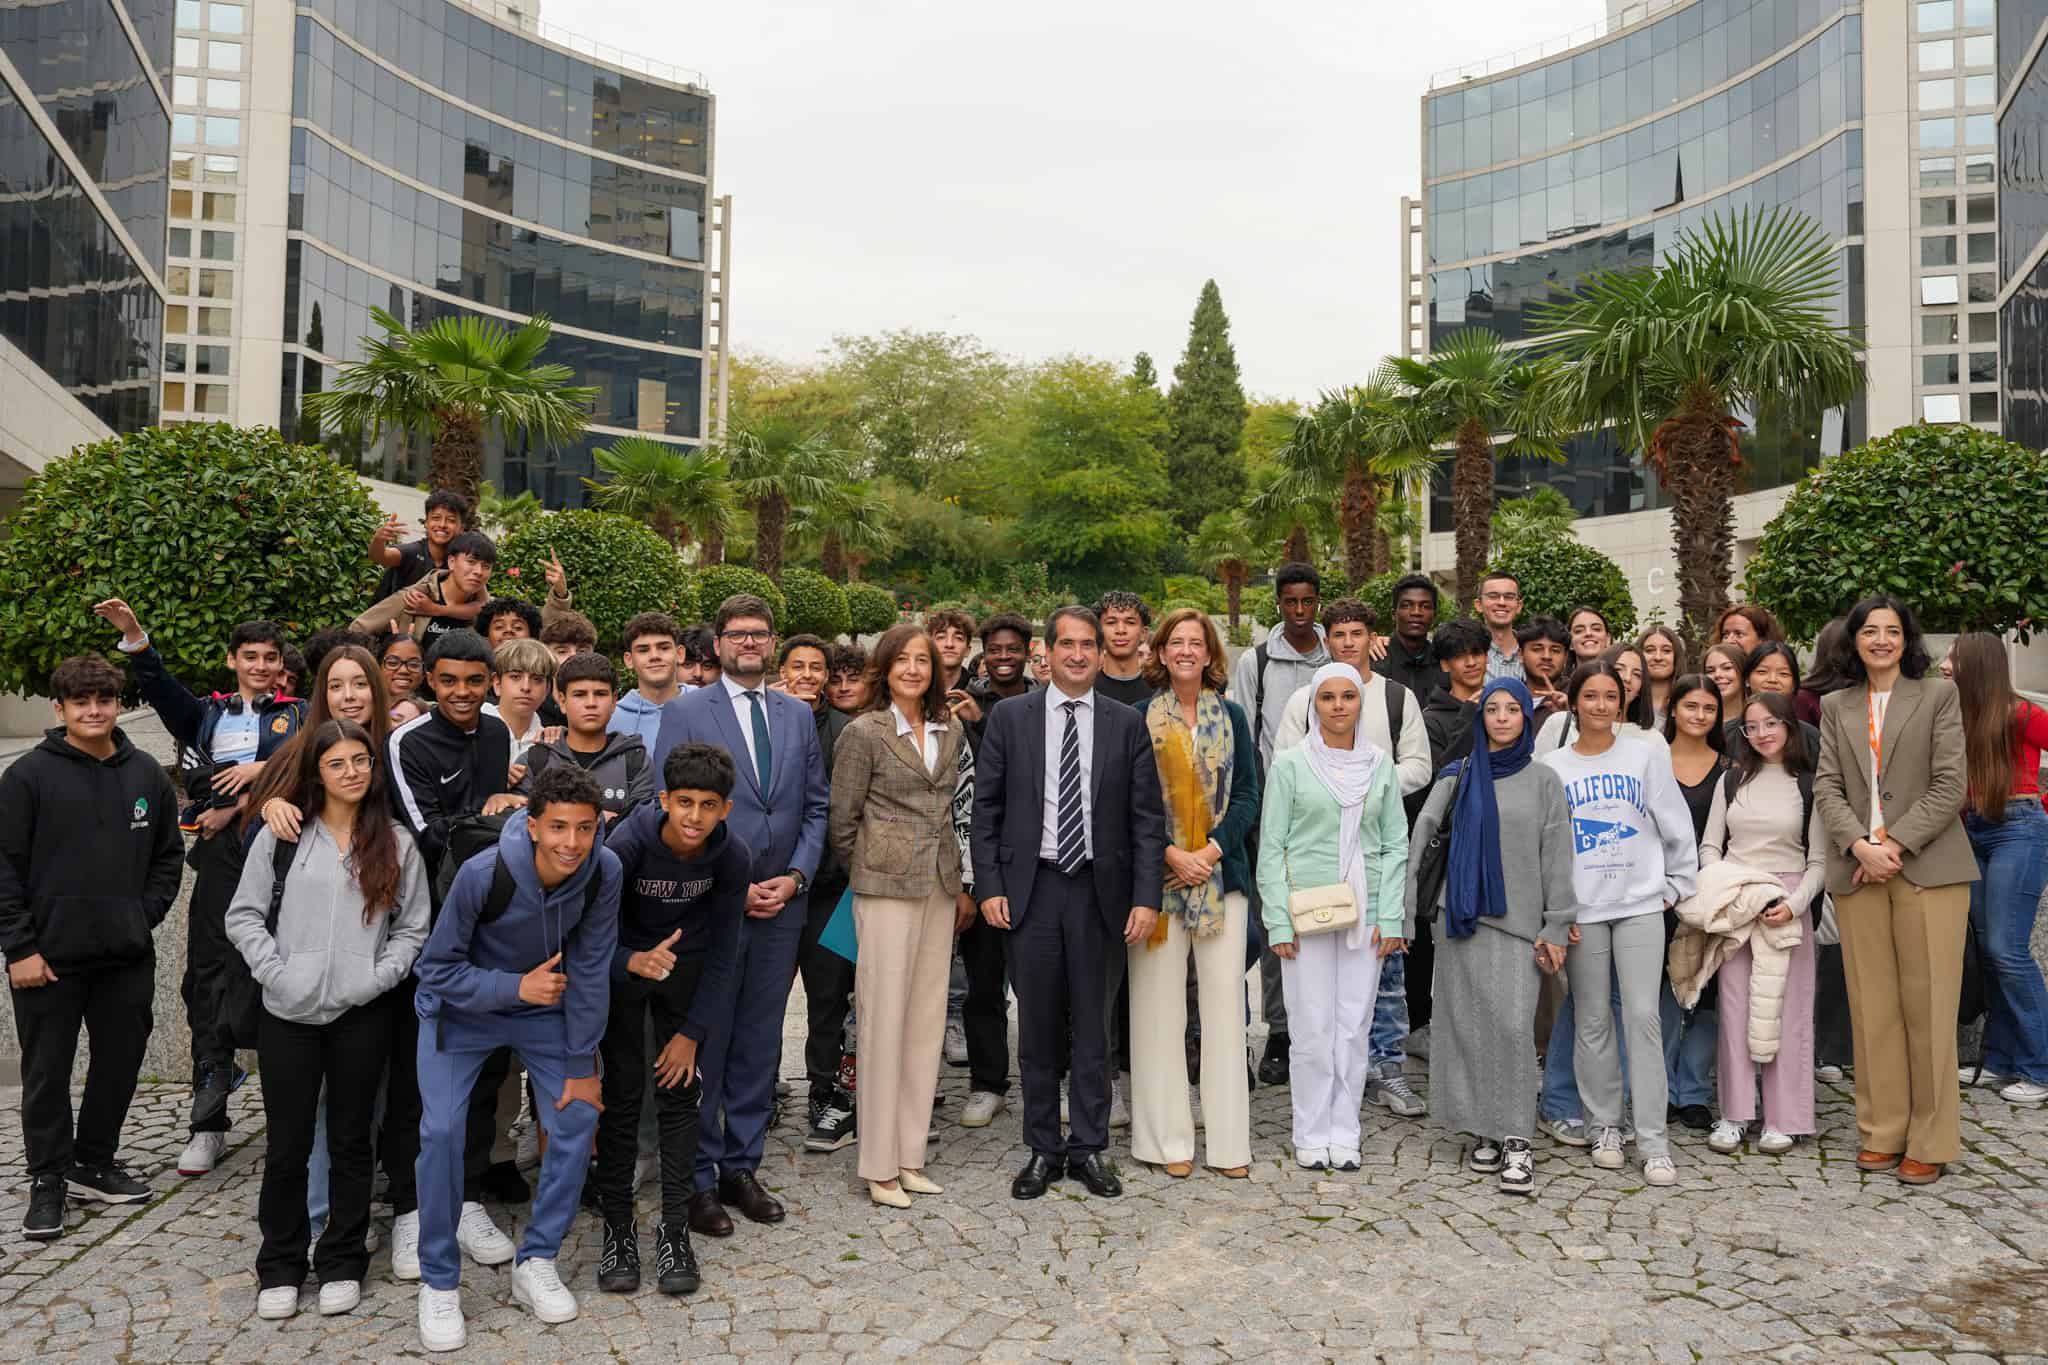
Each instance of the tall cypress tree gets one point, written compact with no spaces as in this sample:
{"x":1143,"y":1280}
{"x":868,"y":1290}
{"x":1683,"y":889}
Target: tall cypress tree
{"x":1205,"y":414}
{"x":1144,"y":373}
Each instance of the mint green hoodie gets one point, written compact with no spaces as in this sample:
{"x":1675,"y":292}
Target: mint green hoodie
{"x":1298,"y":835}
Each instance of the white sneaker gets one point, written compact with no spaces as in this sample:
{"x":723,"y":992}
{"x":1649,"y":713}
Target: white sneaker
{"x":956,"y":1043}
{"x":480,"y":1238}
{"x":281,"y":1302}
{"x":1773,"y":1142}
{"x":535,"y":1284}
{"x":201,"y":1153}
{"x":1968,"y":1076}
{"x":340,"y":1296}
{"x":1726,"y":1137}
{"x":1486,"y":1156}
{"x":1658,"y":1170}
{"x":405,"y":1248}
{"x":1119,"y":1112}
{"x":2024,"y":1092}
{"x":1518,"y":1167}
{"x":645,"y":1168}
{"x":1607,"y":1149}
{"x":441,"y":1324}
{"x":981,"y":1108}
{"x":1828,"y":1075}
{"x":526,"y":1152}
{"x":1312,"y":1158}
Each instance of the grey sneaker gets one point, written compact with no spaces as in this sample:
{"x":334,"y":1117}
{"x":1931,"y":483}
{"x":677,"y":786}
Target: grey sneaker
{"x":1570,"y":1132}
{"x":1386,"y":1086}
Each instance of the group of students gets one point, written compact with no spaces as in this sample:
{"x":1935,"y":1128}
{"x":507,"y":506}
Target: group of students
{"x":467,"y":876}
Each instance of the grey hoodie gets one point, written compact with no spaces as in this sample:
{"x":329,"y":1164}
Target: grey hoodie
{"x":1287,"y":672}
{"x":622,"y":768}
{"x":324,"y":960}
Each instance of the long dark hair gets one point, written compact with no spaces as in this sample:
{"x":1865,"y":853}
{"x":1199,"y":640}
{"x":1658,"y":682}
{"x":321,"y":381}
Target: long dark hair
{"x":373,"y":843}
{"x":1914,"y":660}
{"x":1685,"y":686}
{"x":1990,"y":712}
{"x":1796,"y":756}
{"x":1640,"y":713}
{"x":280,"y":775}
{"x":1825,"y":675}
{"x":1767,"y":650}
{"x":886,"y":651}
{"x":1601,"y":667}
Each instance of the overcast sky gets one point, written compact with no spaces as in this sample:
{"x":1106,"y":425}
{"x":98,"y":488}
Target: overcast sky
{"x":1062,"y":176}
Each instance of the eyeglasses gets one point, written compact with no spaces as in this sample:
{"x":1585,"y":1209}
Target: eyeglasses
{"x":405,"y":665}
{"x":1754,"y":728}
{"x":353,"y":763}
{"x":749,"y":637}
{"x":1500,"y":597}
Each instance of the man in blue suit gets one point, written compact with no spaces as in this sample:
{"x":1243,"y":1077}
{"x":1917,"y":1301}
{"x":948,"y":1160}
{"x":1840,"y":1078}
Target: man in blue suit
{"x":779,"y":808}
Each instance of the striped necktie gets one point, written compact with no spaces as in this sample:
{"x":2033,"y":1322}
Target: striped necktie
{"x":1073,"y":839}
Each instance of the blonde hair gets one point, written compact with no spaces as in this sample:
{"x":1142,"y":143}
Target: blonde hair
{"x":524,"y":655}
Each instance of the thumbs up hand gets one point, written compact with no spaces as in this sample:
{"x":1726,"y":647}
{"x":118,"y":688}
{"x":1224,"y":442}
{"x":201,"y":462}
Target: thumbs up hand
{"x":544,"y":985}
{"x":657,"y":962}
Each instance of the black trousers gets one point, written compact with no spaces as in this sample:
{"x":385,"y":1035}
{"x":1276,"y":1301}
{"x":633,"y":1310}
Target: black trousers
{"x":1831,"y":1032}
{"x":828,"y":990}
{"x":1057,"y":951}
{"x":114,"y":1005}
{"x":347,"y":1054}
{"x":398,"y":1140}
{"x":217,"y":865}
{"x":624,"y":1053}
{"x":1421,"y":974}
{"x":986,"y":1015}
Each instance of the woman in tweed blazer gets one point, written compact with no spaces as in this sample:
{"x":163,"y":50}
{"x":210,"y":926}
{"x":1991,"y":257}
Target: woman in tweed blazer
{"x":892,"y":827}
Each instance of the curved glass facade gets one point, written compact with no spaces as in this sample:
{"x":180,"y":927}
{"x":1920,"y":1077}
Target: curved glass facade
{"x":1604,"y":157}
{"x":441,"y":160}
{"x":2023,"y":190}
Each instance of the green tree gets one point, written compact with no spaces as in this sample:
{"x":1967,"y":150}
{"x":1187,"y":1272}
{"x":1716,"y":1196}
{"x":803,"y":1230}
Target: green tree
{"x":1469,"y":391}
{"x":199,"y":526}
{"x":1287,"y":514}
{"x":618,"y":567}
{"x":849,"y":527}
{"x":1943,"y":516}
{"x":1225,"y":544}
{"x":1558,"y":573}
{"x":455,"y":380}
{"x":817,"y":605}
{"x":873,"y":609}
{"x":720,"y":581}
{"x":1542,"y":514}
{"x":679,"y":491}
{"x":779,"y":465}
{"x":501,"y":515}
{"x":1738,"y":318}
{"x":1346,"y":448}
{"x":917,"y":398}
{"x":1144,"y":373}
{"x":1205,"y":416}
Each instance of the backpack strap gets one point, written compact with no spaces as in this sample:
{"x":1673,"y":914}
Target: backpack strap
{"x":1395,"y":708}
{"x":282,"y":855}
{"x":499,"y":898}
{"x":1264,"y":656}
{"x":1805,"y":780}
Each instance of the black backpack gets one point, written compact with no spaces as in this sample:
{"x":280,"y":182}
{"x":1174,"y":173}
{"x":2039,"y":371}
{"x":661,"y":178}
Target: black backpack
{"x":1733,"y":779}
{"x":468,"y":835}
{"x":241,"y":998}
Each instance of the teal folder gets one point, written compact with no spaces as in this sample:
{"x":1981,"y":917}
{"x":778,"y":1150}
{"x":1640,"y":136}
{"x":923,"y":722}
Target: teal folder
{"x":838,"y":934}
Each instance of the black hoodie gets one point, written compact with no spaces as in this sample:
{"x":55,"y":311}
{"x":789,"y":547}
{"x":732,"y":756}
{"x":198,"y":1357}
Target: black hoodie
{"x":1449,"y":722}
{"x":90,"y":854}
{"x":705,"y":897}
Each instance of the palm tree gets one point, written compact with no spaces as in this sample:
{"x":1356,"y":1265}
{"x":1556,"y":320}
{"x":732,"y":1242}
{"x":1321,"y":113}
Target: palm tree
{"x":1284,"y":512}
{"x":849,"y":527}
{"x":1538,"y":515}
{"x":501,"y":515}
{"x":454,"y":379}
{"x":1399,"y":523}
{"x":1469,"y":390}
{"x":1224,"y":542}
{"x":1738,"y":318}
{"x":779,"y":465}
{"x":679,"y":491}
{"x":1344,"y":449}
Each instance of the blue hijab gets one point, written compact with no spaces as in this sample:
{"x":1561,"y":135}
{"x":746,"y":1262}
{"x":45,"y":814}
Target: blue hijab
{"x":1473,"y":882}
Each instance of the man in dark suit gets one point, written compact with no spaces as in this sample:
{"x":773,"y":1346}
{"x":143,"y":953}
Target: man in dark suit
{"x":779,"y":809}
{"x":1069,"y":856}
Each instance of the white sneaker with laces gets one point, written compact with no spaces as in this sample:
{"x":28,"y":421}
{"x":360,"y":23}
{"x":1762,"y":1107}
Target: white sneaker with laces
{"x":340,"y":1296}
{"x":1968,"y":1076}
{"x":441,"y":1324}
{"x":1726,"y":1137}
{"x":279,"y":1302}
{"x":1486,"y":1156}
{"x":1518,"y":1167}
{"x":405,"y":1247}
{"x":1774,"y":1142}
{"x":535,"y":1284}
{"x":201,"y":1153}
{"x":956,"y":1042}
{"x":981,"y":1109}
{"x":1607,"y":1149}
{"x":1658,"y":1170}
{"x":1119,"y":1112}
{"x":2024,"y":1092}
{"x":481,"y":1239}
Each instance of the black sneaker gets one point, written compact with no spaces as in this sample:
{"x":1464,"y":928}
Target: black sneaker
{"x":1273,"y":1064}
{"x":618,"y":1269}
{"x":834,"y":1127}
{"x":212,"y":1085}
{"x":675,"y":1261}
{"x":108,"y":1184}
{"x":45,"y":1216}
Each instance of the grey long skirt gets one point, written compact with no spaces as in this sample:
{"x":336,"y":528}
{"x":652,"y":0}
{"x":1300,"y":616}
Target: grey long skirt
{"x":1482,"y":1077}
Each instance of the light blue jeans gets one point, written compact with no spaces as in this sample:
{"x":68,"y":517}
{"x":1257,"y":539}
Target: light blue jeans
{"x":2013,"y":857}
{"x":1688,"y":1056}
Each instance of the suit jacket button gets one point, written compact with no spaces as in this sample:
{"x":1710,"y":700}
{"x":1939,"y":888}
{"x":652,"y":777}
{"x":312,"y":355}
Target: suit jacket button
{"x":1887,"y":796}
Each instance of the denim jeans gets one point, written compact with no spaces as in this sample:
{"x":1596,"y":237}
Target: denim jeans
{"x":1390,"y":1014}
{"x":1688,"y":1056}
{"x":2012,"y":855}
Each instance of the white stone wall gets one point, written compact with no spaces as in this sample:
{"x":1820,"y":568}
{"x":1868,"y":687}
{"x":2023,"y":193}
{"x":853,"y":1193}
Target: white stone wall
{"x":39,"y":421}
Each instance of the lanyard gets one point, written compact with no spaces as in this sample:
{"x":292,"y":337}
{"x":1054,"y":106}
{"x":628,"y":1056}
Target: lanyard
{"x":1876,"y":755}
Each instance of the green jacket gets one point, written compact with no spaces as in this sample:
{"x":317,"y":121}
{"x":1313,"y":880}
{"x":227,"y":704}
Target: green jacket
{"x":1298,"y":833}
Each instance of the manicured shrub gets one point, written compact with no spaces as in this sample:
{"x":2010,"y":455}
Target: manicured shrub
{"x":817,"y":605}
{"x":721,"y":581}
{"x":617,"y":568}
{"x":1558,"y":573}
{"x":872,"y":608}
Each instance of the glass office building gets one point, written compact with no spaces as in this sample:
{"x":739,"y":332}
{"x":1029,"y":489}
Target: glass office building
{"x":435,"y":159}
{"x":84,"y":136}
{"x":2023,"y":245}
{"x":1876,"y":122}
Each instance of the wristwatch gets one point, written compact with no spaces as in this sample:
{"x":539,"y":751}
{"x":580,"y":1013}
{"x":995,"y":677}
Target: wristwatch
{"x":798,"y":877}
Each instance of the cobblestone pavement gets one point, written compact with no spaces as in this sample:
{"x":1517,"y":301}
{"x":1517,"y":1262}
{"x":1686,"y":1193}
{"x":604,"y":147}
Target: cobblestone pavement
{"x":1796,"y":1257}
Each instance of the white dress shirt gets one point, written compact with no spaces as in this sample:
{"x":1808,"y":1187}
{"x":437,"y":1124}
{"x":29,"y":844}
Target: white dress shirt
{"x":743,"y":711}
{"x":928,"y":745}
{"x":1055,"y":735}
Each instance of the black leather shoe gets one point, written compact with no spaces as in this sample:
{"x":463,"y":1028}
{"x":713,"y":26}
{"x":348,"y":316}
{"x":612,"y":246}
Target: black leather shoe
{"x":1038,"y":1173}
{"x":1273,"y":1063}
{"x":1697,"y":1117}
{"x":744,"y":1192}
{"x":707,"y":1218}
{"x":1094,"y":1173}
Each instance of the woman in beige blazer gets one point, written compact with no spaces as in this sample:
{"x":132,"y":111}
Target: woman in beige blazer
{"x":1890,"y":790}
{"x":892,"y":827}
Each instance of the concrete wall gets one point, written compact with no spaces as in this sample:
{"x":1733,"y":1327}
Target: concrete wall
{"x":39,"y":420}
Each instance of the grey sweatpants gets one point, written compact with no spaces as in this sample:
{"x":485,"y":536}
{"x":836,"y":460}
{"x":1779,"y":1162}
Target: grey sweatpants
{"x":1631,"y":952}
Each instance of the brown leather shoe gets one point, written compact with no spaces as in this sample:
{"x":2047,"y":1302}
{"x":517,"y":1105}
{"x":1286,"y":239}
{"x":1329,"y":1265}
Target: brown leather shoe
{"x":707,"y":1219}
{"x":1233,"y":1172}
{"x":1913,"y":1172}
{"x":1179,"y":1170}
{"x":1876,"y":1161}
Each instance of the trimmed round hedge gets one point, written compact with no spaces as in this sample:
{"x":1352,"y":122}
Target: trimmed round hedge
{"x":721,"y":581}
{"x":873,"y":608}
{"x":617,"y":568}
{"x":817,"y":606}
{"x":1558,"y":573}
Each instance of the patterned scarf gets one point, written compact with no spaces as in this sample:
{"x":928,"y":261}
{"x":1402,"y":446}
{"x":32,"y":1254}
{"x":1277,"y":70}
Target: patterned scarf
{"x":1194,"y":778}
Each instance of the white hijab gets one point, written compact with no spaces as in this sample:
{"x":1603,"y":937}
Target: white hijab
{"x":1347,"y":775}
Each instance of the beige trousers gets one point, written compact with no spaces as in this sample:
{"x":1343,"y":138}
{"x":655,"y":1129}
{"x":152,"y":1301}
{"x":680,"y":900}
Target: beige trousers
{"x":1902,"y":953}
{"x":1162,"y":1116}
{"x":899,"y":982}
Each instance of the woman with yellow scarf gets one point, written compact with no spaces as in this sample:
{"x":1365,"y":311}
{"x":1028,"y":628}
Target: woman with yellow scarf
{"x":1209,"y":775}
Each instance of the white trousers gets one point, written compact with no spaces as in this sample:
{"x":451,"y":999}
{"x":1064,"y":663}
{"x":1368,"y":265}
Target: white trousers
{"x":1330,"y":990}
{"x":1162,"y":1116}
